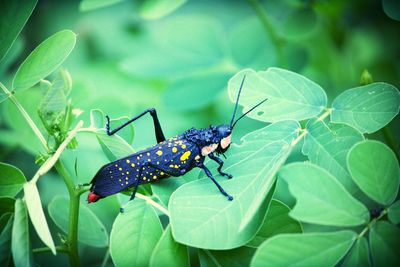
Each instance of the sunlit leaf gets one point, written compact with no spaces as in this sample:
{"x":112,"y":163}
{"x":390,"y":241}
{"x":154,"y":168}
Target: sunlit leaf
{"x":277,"y":222}
{"x":36,"y":214}
{"x":385,"y":244}
{"x":290,"y":95}
{"x":42,"y":61}
{"x":155,"y":9}
{"x":20,"y":243}
{"x":14,"y":15}
{"x":394,"y":212}
{"x":5,"y":240}
{"x":327,"y":145}
{"x":320,"y":198}
{"x":134,"y":235}
{"x":96,"y":119}
{"x":164,"y":188}
{"x":88,"y":5}
{"x":168,"y":252}
{"x":309,"y":249}
{"x":358,"y":255}
{"x":114,"y":147}
{"x":11,"y":180}
{"x":91,"y":230}
{"x":198,"y":207}
{"x":374,"y":168}
{"x":367,"y":108}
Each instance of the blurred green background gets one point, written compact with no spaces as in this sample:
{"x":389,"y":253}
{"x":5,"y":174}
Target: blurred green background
{"x":131,"y":56}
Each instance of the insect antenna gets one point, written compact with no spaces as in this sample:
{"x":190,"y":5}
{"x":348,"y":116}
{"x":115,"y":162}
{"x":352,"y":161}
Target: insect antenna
{"x":237,"y":101}
{"x":250,"y":110}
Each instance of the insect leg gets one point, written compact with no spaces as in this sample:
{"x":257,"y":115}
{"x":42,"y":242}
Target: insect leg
{"x":157,"y":126}
{"x":208,"y":173}
{"x":221,"y":163}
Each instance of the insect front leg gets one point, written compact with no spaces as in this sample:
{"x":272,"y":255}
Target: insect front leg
{"x":157,"y":126}
{"x":221,"y":163}
{"x":208,"y":173}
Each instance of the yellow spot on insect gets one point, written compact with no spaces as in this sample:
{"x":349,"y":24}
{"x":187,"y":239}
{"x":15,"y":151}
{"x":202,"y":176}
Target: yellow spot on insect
{"x":171,"y":166}
{"x":126,"y":178}
{"x":128,"y":161}
{"x":140,"y":155}
{"x":154,"y":177}
{"x":110,"y":171}
{"x":133,"y":165}
{"x":176,"y":166}
{"x":122,"y":174}
{"x":126,"y":182}
{"x":145,"y":178}
{"x":162,"y":173}
{"x":174,"y":149}
{"x":127,"y":172}
{"x":185,"y":156}
{"x":159,"y":152}
{"x":148,"y":154}
{"x":122,"y":184}
{"x":120,"y":169}
{"x":137,"y":158}
{"x":183,"y":146}
{"x":120,"y":180}
{"x":158,"y":162}
{"x":148,"y":160}
{"x":116,"y":165}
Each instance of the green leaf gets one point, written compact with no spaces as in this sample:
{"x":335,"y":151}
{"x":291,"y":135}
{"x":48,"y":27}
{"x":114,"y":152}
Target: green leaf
{"x":320,"y":198}
{"x":36,"y":214}
{"x":128,"y":133}
{"x":114,"y":147}
{"x":391,"y":9}
{"x":164,"y":188}
{"x":168,"y":252}
{"x":155,"y":9}
{"x":91,"y":230}
{"x":88,"y":5}
{"x":276,"y":222}
{"x":195,"y":91}
{"x":198,"y":207}
{"x":327,"y":145}
{"x":310,"y":249}
{"x":394,"y":212}
{"x":13,"y":17}
{"x":6,"y":205}
{"x":47,"y":57}
{"x":290,"y":95}
{"x":358,"y":255}
{"x":134,"y":234}
{"x":5,"y":240}
{"x":385,"y":244}
{"x":367,"y":108}
{"x":11,"y":180}
{"x":239,"y":257}
{"x":374,"y":168}
{"x":20,"y":243}
{"x":96,"y":119}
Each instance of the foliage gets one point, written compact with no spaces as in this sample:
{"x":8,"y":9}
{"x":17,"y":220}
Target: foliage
{"x":315,"y":168}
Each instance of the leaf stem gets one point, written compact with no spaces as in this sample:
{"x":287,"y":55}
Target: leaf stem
{"x":61,"y":249}
{"x":298,"y":139}
{"x":327,"y":112}
{"x":51,"y":161}
{"x":26,"y":116}
{"x":153,"y":203}
{"x":277,"y":41}
{"x":371,"y":223}
{"x":73,"y":214}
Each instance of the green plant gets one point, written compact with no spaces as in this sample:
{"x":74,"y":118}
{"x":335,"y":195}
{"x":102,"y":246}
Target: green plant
{"x":346,"y":211}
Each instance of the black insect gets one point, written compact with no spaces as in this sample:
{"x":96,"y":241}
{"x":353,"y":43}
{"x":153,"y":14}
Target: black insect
{"x":170,"y":157}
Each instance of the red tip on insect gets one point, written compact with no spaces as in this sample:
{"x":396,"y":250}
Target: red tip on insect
{"x":92,"y":197}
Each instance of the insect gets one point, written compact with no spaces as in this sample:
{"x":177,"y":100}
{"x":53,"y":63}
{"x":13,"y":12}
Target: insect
{"x":169,"y":157}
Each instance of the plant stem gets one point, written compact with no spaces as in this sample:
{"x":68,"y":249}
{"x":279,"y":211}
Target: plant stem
{"x":61,"y":249}
{"x":153,"y":203}
{"x":73,"y":214}
{"x":371,"y":223}
{"x":276,"y":40}
{"x":26,"y":116}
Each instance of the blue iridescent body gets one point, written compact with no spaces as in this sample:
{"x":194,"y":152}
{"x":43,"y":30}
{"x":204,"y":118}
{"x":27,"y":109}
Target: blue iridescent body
{"x":169,"y":157}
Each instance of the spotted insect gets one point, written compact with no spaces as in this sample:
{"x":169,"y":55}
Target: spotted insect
{"x":170,"y":157}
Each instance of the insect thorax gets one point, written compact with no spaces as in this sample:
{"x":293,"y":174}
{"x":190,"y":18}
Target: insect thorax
{"x":202,"y":137}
